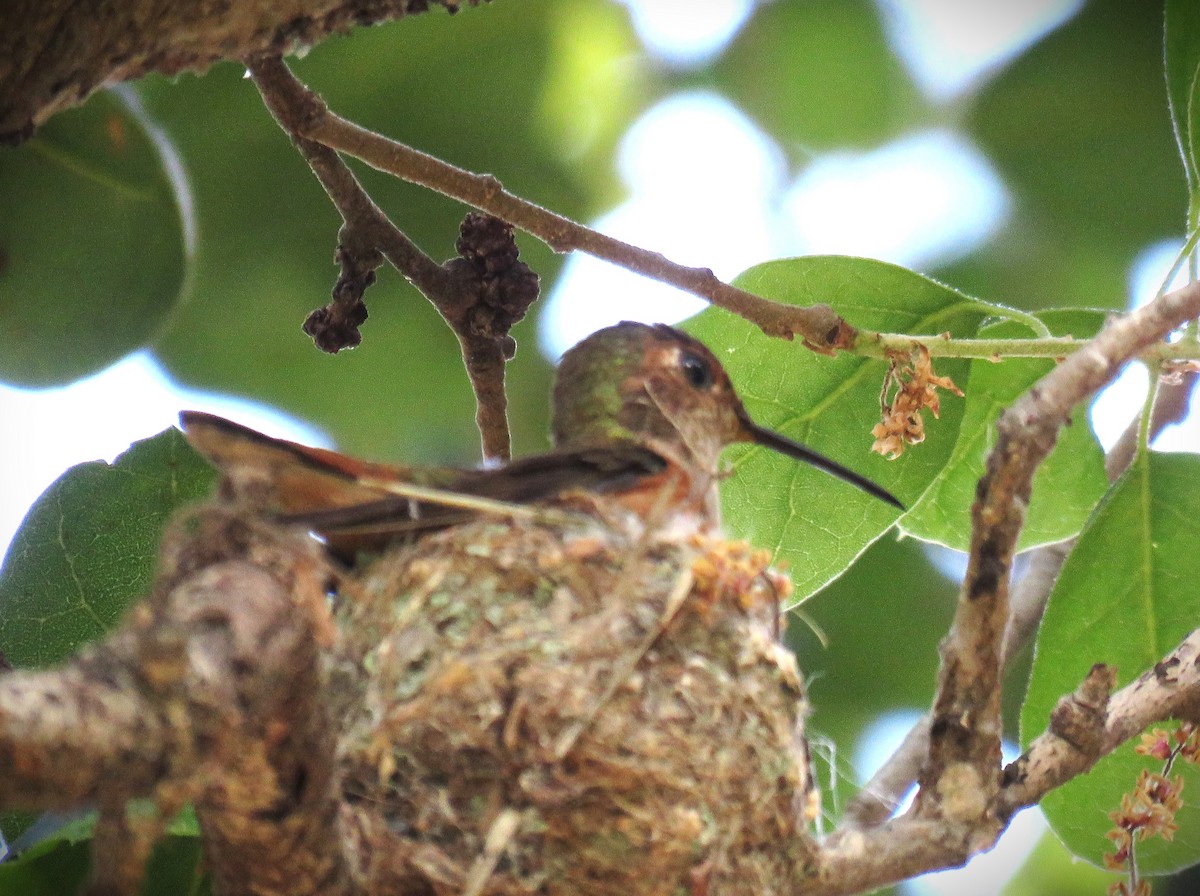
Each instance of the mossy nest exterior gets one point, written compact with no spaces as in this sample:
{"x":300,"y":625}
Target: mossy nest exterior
{"x":560,"y":707}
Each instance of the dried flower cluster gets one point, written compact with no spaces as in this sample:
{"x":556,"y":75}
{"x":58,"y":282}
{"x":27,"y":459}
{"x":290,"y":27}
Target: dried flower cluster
{"x":916,"y":388}
{"x":739,"y":568}
{"x":1149,"y":810}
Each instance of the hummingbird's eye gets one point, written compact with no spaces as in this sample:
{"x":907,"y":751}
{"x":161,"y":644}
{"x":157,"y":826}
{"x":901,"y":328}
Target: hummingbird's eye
{"x":697,"y":372}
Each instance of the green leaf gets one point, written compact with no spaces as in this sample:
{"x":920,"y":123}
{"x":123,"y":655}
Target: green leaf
{"x":79,"y":826}
{"x":60,"y":867}
{"x":1078,"y":129}
{"x":1181,"y":40}
{"x":814,"y":522}
{"x":87,"y":547}
{"x":174,"y":868}
{"x":1066,"y":487}
{"x":94,"y":247}
{"x":52,"y":869}
{"x":819,"y":76}
{"x":1126,"y":596}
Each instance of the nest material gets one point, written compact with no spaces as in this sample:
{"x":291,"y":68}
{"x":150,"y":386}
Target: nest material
{"x":561,"y":708}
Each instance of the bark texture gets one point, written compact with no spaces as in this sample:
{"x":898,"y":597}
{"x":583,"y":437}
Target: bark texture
{"x":54,"y":54}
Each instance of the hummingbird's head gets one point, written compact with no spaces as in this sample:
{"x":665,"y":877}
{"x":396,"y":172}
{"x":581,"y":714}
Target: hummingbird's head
{"x":652,"y":384}
{"x":660,"y":387}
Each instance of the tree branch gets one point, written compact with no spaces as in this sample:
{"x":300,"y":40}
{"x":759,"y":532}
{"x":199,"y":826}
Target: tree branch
{"x":854,"y":861}
{"x":965,"y":728}
{"x":965,"y":802}
{"x":881,"y":795}
{"x":481,"y":294}
{"x":54,"y":54}
{"x":819,"y":325}
{"x":211,"y":692}
{"x":1085,"y":728}
{"x":366,"y":230}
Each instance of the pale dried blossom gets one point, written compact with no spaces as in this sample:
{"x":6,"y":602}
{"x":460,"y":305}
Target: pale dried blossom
{"x":1150,"y":809}
{"x":911,"y":374}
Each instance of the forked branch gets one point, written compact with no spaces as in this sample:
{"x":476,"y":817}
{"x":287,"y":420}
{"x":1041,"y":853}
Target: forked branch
{"x":480,"y":294}
{"x":966,"y":800}
{"x":819,"y":325}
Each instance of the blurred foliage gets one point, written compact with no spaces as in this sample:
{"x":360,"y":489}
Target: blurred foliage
{"x":93,"y":185}
{"x":1079,"y":129}
{"x":60,"y":866}
{"x":539,"y":92}
{"x":818,"y":76}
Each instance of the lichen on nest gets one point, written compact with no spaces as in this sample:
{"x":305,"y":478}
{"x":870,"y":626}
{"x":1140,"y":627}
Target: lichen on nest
{"x":561,"y":707}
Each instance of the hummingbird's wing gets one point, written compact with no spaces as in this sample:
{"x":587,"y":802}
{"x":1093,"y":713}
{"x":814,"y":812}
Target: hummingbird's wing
{"x":373,"y":523}
{"x":611,"y":467}
{"x":353,"y":504}
{"x":288,"y":478}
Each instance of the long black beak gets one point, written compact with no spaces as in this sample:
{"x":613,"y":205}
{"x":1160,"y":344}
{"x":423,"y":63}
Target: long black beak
{"x":769,"y":439}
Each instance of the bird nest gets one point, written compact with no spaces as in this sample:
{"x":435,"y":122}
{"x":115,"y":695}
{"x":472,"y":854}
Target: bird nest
{"x":559,"y":708}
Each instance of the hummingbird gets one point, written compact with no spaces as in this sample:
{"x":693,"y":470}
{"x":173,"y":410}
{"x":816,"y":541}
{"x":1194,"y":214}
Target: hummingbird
{"x":641,"y":413}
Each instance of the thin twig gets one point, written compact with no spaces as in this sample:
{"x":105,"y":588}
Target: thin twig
{"x":965,"y":728}
{"x":881,"y":795}
{"x":871,"y":344}
{"x":1078,"y":737}
{"x":818,"y":325}
{"x":365,"y":222}
{"x":459,"y":293}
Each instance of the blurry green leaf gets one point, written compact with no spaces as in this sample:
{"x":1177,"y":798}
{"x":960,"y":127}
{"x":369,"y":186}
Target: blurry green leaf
{"x":185,"y":823}
{"x":1126,"y":596}
{"x":1051,"y":868}
{"x":87,"y":547}
{"x":57,"y":868}
{"x":815,"y":523}
{"x":60,"y":868}
{"x":1182,"y":57}
{"x":1079,"y":129}
{"x":54,"y":865}
{"x":174,"y":867}
{"x":1067,"y":485}
{"x":173,"y":859}
{"x":93,"y":243}
{"x":592,"y":88}
{"x":819,"y":76}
